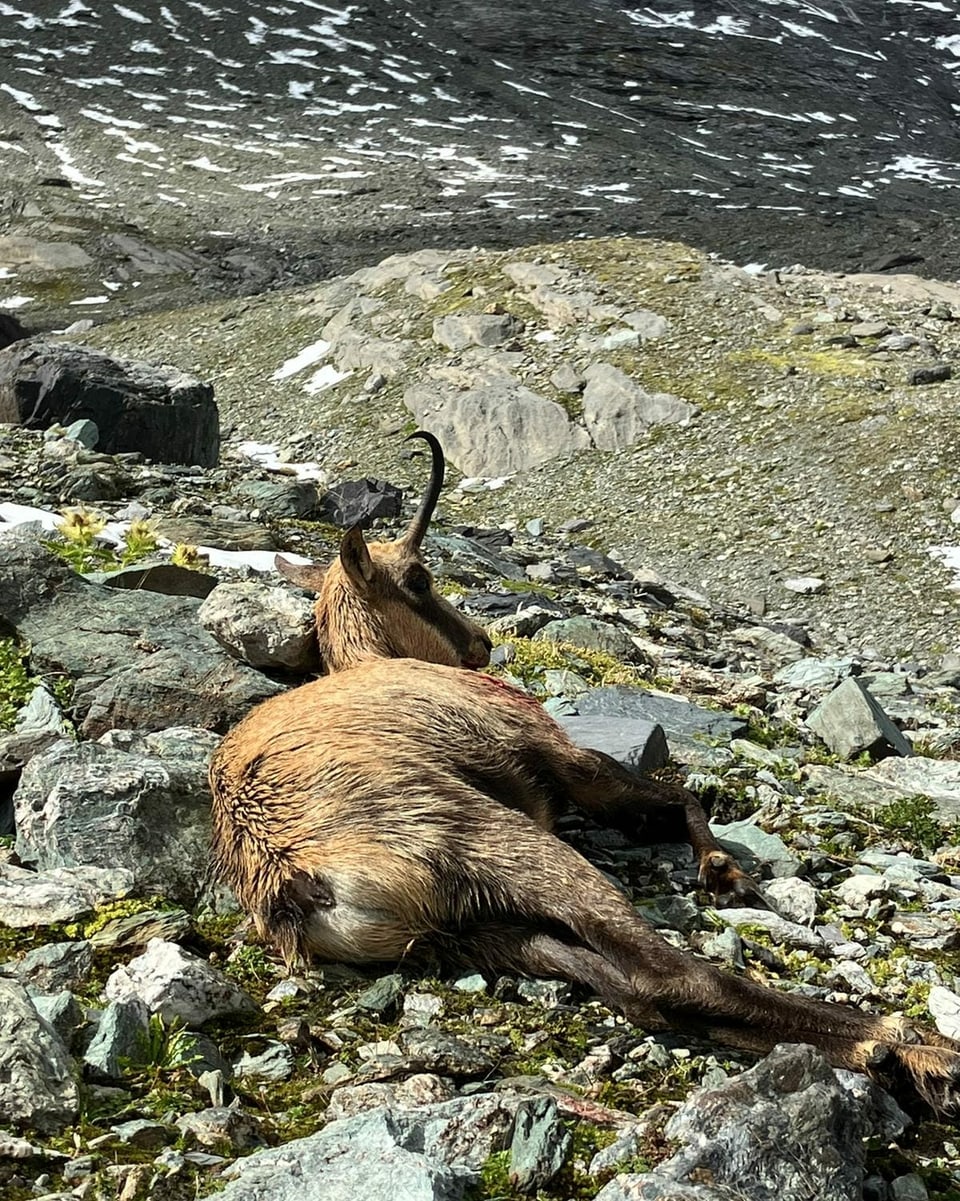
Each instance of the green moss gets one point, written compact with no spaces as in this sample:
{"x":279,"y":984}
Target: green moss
{"x":109,"y":912}
{"x":825,"y":362}
{"x":252,"y":969}
{"x":530,"y":586}
{"x":531,"y":658}
{"x":495,"y":1184}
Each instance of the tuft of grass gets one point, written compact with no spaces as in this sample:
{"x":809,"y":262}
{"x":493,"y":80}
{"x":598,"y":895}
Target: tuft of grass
{"x":915,"y":820}
{"x":16,"y":682}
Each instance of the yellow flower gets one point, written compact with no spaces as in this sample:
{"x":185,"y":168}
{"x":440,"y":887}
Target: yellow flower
{"x":185,"y":555}
{"x":79,"y":525}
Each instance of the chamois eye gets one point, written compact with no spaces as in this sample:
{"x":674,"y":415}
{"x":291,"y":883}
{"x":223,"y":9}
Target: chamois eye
{"x":419,"y":582}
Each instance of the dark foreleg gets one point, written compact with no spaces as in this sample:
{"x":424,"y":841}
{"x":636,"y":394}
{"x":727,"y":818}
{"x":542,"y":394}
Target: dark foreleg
{"x":648,"y":809}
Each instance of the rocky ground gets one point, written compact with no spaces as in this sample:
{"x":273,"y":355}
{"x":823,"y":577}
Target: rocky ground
{"x":724,"y":487}
{"x":153,"y":1050}
{"x":806,"y":427}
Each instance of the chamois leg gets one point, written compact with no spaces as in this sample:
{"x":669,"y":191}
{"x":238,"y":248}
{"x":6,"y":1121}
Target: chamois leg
{"x":548,"y":885}
{"x":497,"y":947}
{"x":642,"y":808}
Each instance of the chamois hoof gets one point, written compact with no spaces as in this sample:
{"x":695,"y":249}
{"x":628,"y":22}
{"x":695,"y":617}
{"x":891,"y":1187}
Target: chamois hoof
{"x":723,"y":878}
{"x":921,"y":1077}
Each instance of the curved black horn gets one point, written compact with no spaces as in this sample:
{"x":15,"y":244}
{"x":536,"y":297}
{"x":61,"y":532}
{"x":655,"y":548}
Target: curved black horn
{"x":421,"y":519}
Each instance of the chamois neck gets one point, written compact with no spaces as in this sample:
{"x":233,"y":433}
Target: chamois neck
{"x":349,"y":630}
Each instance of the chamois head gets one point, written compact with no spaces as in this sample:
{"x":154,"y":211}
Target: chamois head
{"x":378,"y":600}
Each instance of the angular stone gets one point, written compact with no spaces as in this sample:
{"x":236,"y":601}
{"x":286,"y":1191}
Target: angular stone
{"x":495,"y":428}
{"x":936,"y":373}
{"x":591,"y":634}
{"x":53,"y":967}
{"x":755,"y":848}
{"x":85,"y":432}
{"x":566,"y":378}
{"x":10,"y":328}
{"x":359,"y":502}
{"x":637,"y":744}
{"x":222,"y":1130}
{"x":39,"y":724}
{"x":167,"y":578}
{"x":30,"y":575}
{"x":540,"y":1144}
{"x":654,"y":1186}
{"x":430,"y":1153}
{"x":139,"y":658}
{"x":275,"y":1063}
{"x":121,"y":1040}
{"x":679,"y":718}
{"x":422,"y":1088}
{"x":176,"y":984}
{"x":938,"y":779}
{"x":459,"y":331}
{"x":144,"y":1134}
{"x":174,"y":688}
{"x":793,"y":898}
{"x":432,"y":1050}
{"x":279,"y":498}
{"x":62,"y":1010}
{"x":29,"y":898}
{"x":812,"y":674}
{"x":780,"y":930}
{"x":383,"y":994}
{"x":223,"y":532}
{"x":265,"y":627}
{"x":143,"y":806}
{"x":166,"y":415}
{"x":617,"y":411}
{"x":19,"y":250}
{"x":944,"y":1007}
{"x":786,"y":1126}
{"x":649,"y":325}
{"x":37,"y":1085}
{"x":849,"y":720}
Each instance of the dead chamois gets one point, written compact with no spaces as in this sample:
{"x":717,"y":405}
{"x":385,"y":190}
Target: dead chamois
{"x":404,"y":804}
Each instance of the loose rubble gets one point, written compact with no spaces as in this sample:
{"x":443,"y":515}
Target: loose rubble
{"x":141,"y":1000}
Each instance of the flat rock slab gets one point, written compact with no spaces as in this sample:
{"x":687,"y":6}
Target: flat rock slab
{"x":138,"y":659}
{"x":431,"y":1153}
{"x":29,"y":898}
{"x":678,"y":717}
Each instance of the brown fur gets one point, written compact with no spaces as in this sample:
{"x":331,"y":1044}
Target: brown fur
{"x":401,"y":807}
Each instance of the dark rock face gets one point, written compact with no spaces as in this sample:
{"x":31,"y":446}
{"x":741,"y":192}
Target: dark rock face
{"x":161,"y":412}
{"x":360,"y":502}
{"x":10,"y":330}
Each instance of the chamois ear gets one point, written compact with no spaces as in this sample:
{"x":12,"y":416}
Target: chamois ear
{"x":355,"y":557}
{"x":304,"y":575}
